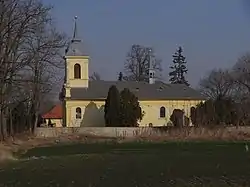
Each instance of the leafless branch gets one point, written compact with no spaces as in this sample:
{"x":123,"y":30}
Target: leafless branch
{"x":137,"y":63}
{"x":95,"y":77}
{"x":30,"y":53}
{"x":218,"y":83}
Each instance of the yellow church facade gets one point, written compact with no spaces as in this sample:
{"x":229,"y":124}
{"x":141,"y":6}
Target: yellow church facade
{"x":84,"y":100}
{"x":92,"y":112}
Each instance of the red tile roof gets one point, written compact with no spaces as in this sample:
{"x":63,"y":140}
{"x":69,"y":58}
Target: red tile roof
{"x":55,"y":113}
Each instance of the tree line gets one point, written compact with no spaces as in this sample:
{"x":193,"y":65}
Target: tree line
{"x":122,"y":109}
{"x":30,"y":60}
{"x":228,"y":93}
{"x":228,"y":97}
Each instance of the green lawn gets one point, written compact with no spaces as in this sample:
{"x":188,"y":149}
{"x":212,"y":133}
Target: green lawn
{"x":132,"y":164}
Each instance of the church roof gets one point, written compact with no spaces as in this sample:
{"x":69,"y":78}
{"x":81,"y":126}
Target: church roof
{"x":143,"y":90}
{"x":75,"y":47}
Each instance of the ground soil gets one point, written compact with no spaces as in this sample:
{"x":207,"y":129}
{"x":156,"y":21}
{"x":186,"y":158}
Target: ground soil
{"x":131,"y":164}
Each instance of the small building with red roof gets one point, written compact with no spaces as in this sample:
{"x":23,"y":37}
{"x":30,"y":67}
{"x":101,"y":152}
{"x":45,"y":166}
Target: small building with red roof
{"x":54,"y":117}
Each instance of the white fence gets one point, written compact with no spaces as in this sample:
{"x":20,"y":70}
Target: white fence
{"x":125,"y":132}
{"x":96,"y":131}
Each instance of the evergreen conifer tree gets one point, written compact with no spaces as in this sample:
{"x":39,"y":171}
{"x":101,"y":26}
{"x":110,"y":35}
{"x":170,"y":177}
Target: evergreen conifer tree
{"x":112,"y":108}
{"x":178,"y":68}
{"x":130,"y":109}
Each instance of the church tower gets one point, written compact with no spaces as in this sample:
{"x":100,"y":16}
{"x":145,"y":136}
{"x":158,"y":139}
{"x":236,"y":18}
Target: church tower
{"x":76,"y":64}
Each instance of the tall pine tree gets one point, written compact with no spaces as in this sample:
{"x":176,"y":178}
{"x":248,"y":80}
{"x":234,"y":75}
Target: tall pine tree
{"x":178,"y":68}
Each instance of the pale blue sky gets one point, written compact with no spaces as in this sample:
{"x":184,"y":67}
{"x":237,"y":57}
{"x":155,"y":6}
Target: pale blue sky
{"x":214,"y":33}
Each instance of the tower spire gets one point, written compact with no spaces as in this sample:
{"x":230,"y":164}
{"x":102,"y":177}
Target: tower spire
{"x":75,"y":34}
{"x":151,"y":70}
{"x":75,"y":47}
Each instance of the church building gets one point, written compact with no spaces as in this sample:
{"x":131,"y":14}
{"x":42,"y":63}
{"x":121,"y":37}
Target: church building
{"x":84,"y":100}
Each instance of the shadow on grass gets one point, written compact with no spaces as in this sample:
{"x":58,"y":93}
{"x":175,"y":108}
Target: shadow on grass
{"x":139,"y":147}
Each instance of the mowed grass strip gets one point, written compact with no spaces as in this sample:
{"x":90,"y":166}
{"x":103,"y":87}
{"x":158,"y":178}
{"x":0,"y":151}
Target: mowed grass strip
{"x":133,"y":164}
{"x":144,"y":147}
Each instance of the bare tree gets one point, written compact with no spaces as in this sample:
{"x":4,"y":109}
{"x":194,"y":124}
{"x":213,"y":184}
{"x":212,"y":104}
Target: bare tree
{"x":45,"y":48}
{"x":241,"y":73}
{"x":28,"y":53}
{"x":217,"y":84}
{"x":137,"y":63}
{"x":95,"y":77}
{"x":18,"y":19}
{"x":241,"y":77}
{"x":234,"y":83}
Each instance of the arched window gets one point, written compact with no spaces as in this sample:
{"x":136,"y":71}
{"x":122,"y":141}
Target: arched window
{"x":77,"y":71}
{"x":162,"y":112}
{"x":78,"y":113}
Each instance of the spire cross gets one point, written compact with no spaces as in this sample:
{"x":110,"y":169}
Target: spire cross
{"x":75,"y":36}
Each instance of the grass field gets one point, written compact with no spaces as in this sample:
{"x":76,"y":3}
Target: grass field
{"x":132,"y":165}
